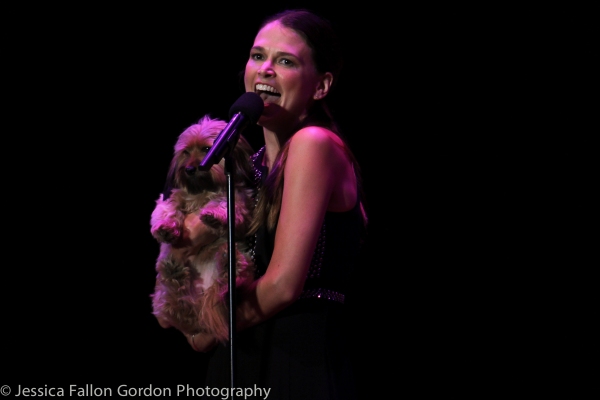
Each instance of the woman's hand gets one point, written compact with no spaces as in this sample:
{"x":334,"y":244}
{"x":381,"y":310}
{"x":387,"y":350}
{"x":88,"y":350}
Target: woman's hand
{"x":201,"y":342}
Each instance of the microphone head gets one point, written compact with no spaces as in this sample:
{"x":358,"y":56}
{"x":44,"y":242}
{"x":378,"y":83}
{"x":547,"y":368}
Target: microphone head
{"x":250,"y":104}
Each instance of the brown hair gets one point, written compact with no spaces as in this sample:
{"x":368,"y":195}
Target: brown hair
{"x":320,"y":36}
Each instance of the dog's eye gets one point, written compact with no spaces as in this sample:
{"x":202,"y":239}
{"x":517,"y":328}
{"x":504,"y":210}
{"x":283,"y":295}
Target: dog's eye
{"x":206,"y":149}
{"x":185,"y":152}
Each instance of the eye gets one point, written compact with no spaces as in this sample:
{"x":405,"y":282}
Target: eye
{"x":287,"y":62}
{"x":205,"y":149}
{"x":256,"y":56}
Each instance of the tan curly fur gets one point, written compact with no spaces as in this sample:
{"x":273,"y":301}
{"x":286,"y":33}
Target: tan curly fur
{"x":191,"y":294}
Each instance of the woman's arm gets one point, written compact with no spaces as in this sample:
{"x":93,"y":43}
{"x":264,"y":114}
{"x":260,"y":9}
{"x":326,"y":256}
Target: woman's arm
{"x":315,"y":164}
{"x":316,"y":167}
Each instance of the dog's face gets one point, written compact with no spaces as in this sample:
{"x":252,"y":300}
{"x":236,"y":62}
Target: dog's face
{"x":192,"y":146}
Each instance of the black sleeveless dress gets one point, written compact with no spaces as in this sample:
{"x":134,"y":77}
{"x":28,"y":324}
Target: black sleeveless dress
{"x":302,"y":352}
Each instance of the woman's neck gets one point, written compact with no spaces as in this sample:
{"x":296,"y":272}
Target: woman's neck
{"x":273,"y":144}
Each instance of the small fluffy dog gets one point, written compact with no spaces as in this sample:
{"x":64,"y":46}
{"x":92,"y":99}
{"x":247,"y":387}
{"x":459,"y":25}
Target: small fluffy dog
{"x":191,"y":294}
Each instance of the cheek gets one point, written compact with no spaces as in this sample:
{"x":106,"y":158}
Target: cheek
{"x":249,"y":74}
{"x":299,"y":90}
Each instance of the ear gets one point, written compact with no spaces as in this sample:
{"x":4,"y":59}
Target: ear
{"x":323,"y":86}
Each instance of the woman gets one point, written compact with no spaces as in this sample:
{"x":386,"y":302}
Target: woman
{"x":309,"y":223}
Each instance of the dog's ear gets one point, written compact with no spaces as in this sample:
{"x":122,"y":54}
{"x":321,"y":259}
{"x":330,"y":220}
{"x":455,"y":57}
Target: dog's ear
{"x":167,"y":189}
{"x":171,"y":182}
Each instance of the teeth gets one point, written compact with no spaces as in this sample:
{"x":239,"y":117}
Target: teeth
{"x":266,"y":88}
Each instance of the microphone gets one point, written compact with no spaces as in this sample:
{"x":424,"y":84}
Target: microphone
{"x":246,"y":110}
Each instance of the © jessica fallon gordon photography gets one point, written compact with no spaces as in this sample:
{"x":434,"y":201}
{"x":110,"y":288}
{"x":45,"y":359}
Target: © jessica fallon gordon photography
{"x":90,"y":390}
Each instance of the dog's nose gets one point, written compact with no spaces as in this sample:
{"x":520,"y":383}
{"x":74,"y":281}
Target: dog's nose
{"x":190,"y":170}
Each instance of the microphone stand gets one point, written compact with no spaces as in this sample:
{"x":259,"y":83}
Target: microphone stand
{"x":246,"y":109}
{"x":231,"y":251}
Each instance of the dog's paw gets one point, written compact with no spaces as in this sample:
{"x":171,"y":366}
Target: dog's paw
{"x":173,"y":273}
{"x":166,"y":231}
{"x":163,"y":322}
{"x":213,"y":219}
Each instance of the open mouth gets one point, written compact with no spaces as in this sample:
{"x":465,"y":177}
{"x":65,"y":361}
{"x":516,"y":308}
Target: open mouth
{"x":266,"y":92}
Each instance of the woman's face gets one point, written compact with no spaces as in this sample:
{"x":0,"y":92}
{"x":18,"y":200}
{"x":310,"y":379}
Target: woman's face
{"x":281,"y":70}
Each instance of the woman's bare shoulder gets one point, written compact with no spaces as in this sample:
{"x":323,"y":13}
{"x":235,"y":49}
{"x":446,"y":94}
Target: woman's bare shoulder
{"x":316,"y":139}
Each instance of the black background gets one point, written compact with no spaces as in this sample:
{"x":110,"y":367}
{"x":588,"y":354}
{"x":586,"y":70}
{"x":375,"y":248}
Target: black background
{"x":460,"y":118}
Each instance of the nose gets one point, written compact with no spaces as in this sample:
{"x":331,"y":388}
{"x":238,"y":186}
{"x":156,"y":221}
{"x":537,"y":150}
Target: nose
{"x":265,"y":70}
{"x":190,"y":170}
